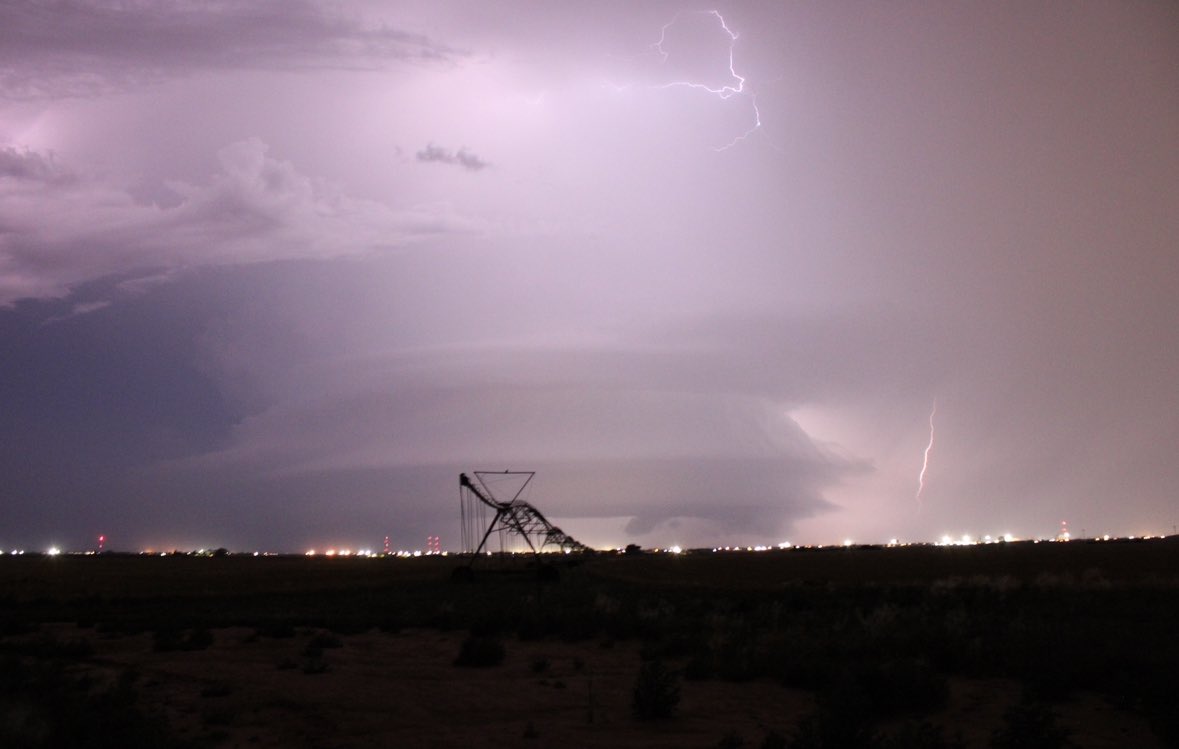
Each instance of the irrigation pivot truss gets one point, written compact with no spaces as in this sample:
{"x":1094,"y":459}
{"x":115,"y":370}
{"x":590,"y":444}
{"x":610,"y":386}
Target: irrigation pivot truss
{"x":483,"y":513}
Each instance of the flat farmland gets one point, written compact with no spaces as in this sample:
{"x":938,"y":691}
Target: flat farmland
{"x":877,"y":647}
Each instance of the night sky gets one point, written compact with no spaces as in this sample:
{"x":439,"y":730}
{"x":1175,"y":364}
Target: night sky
{"x":272,"y":274}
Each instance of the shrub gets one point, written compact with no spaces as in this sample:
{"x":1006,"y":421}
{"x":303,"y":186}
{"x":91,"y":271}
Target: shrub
{"x":656,"y":692}
{"x":324,"y":640}
{"x":480,"y":651}
{"x":829,"y":730}
{"x":279,"y":630}
{"x":1029,"y":725}
{"x":923,"y":735}
{"x":168,"y":640}
{"x":217,"y":689}
{"x":910,"y":685}
{"x":198,"y":639}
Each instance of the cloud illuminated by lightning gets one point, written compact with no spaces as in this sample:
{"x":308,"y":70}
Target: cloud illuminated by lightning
{"x":723,"y":92}
{"x":925,"y":462}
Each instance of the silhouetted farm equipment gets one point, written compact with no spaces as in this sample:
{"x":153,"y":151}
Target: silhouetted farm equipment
{"x":506,"y":516}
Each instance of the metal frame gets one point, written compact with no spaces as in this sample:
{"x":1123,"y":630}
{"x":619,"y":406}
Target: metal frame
{"x":515,"y":516}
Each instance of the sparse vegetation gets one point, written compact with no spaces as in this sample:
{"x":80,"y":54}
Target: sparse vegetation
{"x":656,"y":691}
{"x":44,"y":707}
{"x":874,"y":645}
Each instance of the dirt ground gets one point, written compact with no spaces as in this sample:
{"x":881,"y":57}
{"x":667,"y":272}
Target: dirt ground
{"x":402,"y":689}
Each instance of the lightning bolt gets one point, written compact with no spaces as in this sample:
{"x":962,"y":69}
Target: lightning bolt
{"x":925,"y":462}
{"x":724,"y":92}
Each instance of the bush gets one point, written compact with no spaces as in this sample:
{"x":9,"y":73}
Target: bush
{"x":1029,"y":725}
{"x":47,"y":707}
{"x":279,"y":630}
{"x":324,"y":640}
{"x":883,"y":690}
{"x":920,"y":736}
{"x":167,"y":640}
{"x":829,"y":730}
{"x":480,"y":651}
{"x":657,"y":691}
{"x":217,"y":689}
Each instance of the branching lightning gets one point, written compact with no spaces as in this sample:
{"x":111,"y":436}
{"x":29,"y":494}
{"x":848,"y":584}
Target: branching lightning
{"x":724,"y":92}
{"x":925,"y":462}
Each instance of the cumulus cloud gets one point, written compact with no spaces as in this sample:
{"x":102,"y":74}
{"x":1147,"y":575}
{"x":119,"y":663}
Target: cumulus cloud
{"x":23,"y":164}
{"x":55,"y":232}
{"x":87,"y":47}
{"x":462,"y":157}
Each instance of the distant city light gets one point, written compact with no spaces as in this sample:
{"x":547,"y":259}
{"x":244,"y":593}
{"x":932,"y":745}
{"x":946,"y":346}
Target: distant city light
{"x":948,"y":539}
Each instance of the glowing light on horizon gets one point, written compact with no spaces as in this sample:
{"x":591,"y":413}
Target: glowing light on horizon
{"x":925,"y":460}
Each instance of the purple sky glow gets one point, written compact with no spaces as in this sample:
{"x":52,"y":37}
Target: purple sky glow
{"x":273,"y":273}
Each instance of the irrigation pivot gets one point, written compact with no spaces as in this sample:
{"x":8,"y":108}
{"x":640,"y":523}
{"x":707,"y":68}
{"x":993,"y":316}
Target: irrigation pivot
{"x":484,"y":513}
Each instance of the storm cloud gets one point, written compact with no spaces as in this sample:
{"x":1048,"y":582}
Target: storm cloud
{"x":242,"y":305}
{"x":60,"y":232}
{"x":92,"y":47}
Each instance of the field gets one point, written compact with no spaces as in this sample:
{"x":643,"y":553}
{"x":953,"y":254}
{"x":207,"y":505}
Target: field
{"x":1007,"y":645}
